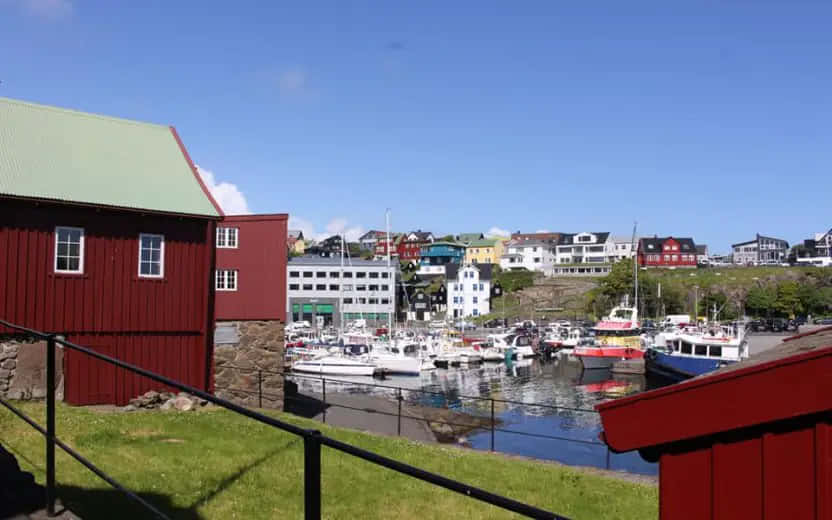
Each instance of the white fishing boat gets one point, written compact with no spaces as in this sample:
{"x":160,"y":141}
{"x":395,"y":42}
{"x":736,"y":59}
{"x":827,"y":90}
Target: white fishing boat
{"x":334,"y":365}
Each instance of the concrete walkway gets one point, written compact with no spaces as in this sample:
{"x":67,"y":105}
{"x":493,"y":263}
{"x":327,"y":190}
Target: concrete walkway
{"x":361,"y":412}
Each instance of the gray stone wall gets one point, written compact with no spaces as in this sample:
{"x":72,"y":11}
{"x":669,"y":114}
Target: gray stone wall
{"x":250,"y":360}
{"x":23,"y":369}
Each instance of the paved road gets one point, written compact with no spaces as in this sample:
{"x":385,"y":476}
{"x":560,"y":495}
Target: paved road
{"x":761,"y":342}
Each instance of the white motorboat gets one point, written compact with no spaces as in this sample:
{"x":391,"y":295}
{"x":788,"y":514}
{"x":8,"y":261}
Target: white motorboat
{"x":334,"y":365}
{"x":520,"y":343}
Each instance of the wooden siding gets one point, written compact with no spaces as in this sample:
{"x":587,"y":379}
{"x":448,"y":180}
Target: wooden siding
{"x":769,"y":473}
{"x":109,"y":296}
{"x":90,"y":381}
{"x":260,"y":259}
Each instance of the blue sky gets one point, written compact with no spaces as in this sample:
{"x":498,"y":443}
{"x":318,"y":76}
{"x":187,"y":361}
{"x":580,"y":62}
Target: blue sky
{"x":709,"y":120}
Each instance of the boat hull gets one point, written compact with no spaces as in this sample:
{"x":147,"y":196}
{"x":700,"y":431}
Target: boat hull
{"x":604,"y":357}
{"x":399,"y":365}
{"x":679,"y":368}
{"x":334,"y":367}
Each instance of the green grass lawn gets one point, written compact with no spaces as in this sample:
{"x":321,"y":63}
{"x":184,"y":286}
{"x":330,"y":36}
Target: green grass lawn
{"x":215,"y":464}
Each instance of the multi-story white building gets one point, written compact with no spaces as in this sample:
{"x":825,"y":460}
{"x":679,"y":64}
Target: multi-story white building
{"x":321,"y":287}
{"x":469,"y":289}
{"x":529,"y":254}
{"x":620,"y":248}
{"x":761,"y":250}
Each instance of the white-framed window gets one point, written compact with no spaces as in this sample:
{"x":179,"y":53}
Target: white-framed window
{"x":151,"y":255}
{"x":226,"y":280}
{"x":69,"y":249}
{"x":227,"y":237}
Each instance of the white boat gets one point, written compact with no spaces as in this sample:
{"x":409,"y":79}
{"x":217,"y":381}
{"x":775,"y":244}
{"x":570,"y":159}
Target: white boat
{"x":334,"y":365}
{"x":492,"y":354}
{"x":520,"y":343}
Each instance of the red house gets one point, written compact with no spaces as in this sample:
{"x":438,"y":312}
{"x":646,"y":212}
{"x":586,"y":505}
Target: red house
{"x":250,"y":278}
{"x":107,"y":237}
{"x":410,"y":245}
{"x":666,"y":252}
{"x":750,"y":441}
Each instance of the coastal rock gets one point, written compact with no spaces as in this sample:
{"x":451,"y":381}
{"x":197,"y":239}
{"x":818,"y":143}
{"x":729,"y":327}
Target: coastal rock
{"x":183,"y":404}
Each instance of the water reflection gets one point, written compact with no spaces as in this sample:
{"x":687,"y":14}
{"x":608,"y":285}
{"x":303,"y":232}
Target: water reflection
{"x":525,"y":394}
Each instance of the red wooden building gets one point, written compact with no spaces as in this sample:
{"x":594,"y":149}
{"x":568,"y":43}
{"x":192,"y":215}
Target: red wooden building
{"x":666,"y":252}
{"x":409,"y":246}
{"x":250,"y":279}
{"x":107,"y":237}
{"x":749,"y":441}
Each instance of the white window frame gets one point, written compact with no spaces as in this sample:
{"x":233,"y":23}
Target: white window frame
{"x":224,"y":232}
{"x":80,"y":252}
{"x":161,"y":256}
{"x":226,"y":288}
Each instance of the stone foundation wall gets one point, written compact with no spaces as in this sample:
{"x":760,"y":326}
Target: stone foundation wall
{"x":243,"y":366}
{"x":23,"y":369}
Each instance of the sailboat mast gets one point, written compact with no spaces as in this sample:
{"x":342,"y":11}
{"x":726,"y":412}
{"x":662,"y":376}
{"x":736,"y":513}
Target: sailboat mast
{"x":393,"y":300}
{"x":635,"y":266}
{"x":341,"y":289}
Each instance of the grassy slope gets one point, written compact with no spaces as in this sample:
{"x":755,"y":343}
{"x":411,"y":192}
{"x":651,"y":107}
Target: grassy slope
{"x":214,"y":464}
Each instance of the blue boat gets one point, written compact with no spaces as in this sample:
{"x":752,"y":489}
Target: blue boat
{"x":690,"y":355}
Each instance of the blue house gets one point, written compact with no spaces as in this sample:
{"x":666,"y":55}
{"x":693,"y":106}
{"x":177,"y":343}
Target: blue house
{"x":442,"y":253}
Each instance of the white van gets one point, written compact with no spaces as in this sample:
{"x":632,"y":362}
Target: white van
{"x":676,"y":319}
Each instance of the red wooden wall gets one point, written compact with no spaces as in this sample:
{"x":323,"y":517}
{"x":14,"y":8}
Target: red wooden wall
{"x":771,"y":474}
{"x":109,"y":304}
{"x":260,"y":259}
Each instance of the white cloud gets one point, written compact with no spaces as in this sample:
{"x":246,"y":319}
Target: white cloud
{"x":228,"y":196}
{"x":336,"y":226}
{"x":542,"y":231}
{"x":49,"y":9}
{"x":292,"y":81}
{"x":495,"y":232}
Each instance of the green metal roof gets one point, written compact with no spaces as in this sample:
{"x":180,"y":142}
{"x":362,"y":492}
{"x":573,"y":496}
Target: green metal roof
{"x":54,"y":153}
{"x":469,"y":237}
{"x":485,"y":242}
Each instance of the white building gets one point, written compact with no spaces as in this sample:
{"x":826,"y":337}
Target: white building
{"x":321,"y":287}
{"x":529,"y":254}
{"x":469,"y":290}
{"x":620,"y":248}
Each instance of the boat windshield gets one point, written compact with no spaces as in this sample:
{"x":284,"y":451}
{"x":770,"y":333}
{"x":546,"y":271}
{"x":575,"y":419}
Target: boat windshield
{"x":621,"y":314}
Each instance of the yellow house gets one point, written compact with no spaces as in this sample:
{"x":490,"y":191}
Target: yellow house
{"x":296,"y":242}
{"x":485,"y":251}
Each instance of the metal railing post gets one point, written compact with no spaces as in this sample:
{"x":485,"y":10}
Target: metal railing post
{"x":323,"y":382}
{"x":312,"y":475}
{"x":260,"y":389}
{"x":492,"y":424}
{"x":399,"y":423}
{"x":50,"y":426}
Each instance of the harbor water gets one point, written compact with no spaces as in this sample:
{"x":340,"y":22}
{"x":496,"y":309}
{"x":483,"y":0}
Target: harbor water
{"x":544,"y":408}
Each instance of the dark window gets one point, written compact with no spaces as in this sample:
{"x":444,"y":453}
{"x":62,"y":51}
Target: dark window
{"x":294,"y":274}
{"x":385,"y":287}
{"x":347,"y":301}
{"x":320,"y":287}
{"x":373,"y":274}
{"x":307,"y":287}
{"x":348,"y":274}
{"x":715,"y":351}
{"x":360,"y":287}
{"x":334,"y":274}
{"x":385,"y":275}
{"x":307,"y":274}
{"x":373,"y":301}
{"x":686,"y":348}
{"x":374,"y":287}
{"x":701,"y":350}
{"x":294,"y":287}
{"x":333,"y":287}
{"x":385,"y":301}
{"x":320,"y":274}
{"x":361,"y":274}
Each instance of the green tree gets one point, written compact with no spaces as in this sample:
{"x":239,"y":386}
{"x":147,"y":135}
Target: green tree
{"x":788,"y":299}
{"x":761,"y":300}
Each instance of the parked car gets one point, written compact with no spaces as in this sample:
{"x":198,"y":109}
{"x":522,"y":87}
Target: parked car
{"x":778,"y":325}
{"x":462,"y":324}
{"x":823,"y":321}
{"x":758,"y":325}
{"x":496,"y":323}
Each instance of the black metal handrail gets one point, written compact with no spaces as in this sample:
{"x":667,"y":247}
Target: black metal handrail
{"x":313,"y":440}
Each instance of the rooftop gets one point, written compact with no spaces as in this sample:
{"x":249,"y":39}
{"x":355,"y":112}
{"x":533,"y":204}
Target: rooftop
{"x":52,"y":153}
{"x":336,"y":260}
